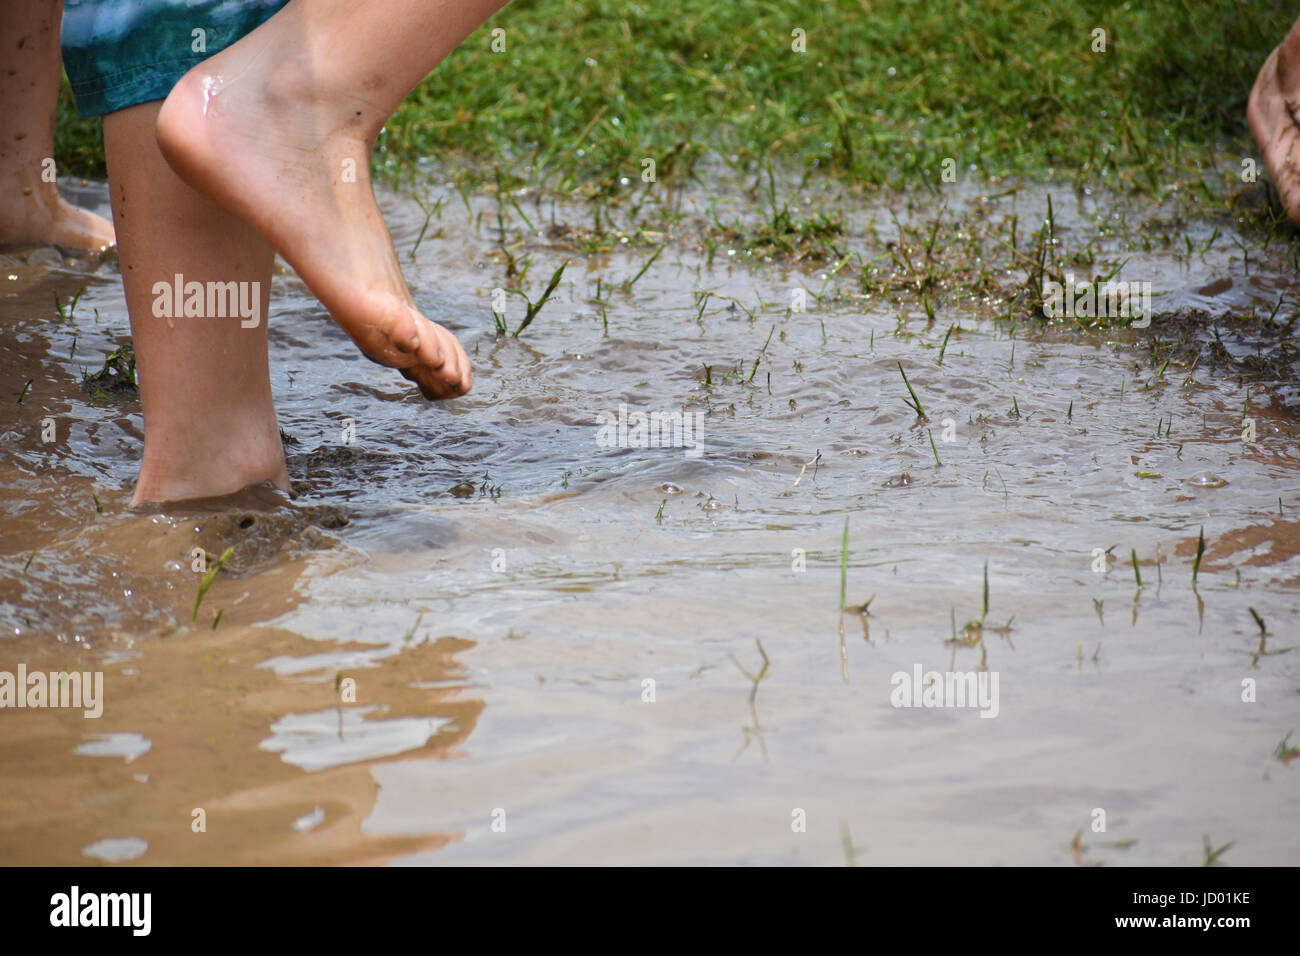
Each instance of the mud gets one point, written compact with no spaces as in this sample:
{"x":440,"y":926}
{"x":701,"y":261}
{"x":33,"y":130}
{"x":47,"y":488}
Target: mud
{"x":553,"y":643}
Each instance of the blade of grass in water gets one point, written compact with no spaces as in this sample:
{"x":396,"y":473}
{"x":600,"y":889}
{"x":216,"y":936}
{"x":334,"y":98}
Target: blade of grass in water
{"x":1259,"y":621}
{"x":943,"y":348}
{"x":648,"y":264}
{"x":207,"y":580}
{"x":986,"y":592}
{"x":535,"y":307}
{"x":844,"y":566}
{"x":1200,"y":550}
{"x":915,"y":403}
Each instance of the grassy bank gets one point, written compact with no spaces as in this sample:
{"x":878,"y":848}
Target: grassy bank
{"x":884,"y":92}
{"x":572,"y":97}
{"x":585,"y":90}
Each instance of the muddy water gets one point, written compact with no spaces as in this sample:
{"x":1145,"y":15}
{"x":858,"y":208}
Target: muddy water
{"x":549,"y":640}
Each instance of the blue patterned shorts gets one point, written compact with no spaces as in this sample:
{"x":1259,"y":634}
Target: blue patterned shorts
{"x":122,"y":52}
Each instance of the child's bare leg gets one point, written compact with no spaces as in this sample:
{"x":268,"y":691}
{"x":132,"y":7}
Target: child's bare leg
{"x":31,"y":209}
{"x":279,"y":127}
{"x":210,"y":425}
{"x":1274,"y":114}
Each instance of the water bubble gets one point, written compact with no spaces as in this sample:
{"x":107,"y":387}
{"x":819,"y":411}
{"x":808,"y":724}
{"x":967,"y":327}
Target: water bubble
{"x":668,"y":488}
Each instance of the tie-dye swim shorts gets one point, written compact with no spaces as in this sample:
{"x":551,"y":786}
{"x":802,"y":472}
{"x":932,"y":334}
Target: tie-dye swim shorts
{"x":122,"y":52}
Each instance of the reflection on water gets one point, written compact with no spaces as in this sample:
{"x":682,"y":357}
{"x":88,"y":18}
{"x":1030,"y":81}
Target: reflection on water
{"x":126,"y":746}
{"x":589,"y":614}
{"x":332,"y":739}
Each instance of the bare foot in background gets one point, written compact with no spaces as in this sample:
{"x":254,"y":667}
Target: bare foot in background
{"x":32,"y":209}
{"x":1272,"y":112}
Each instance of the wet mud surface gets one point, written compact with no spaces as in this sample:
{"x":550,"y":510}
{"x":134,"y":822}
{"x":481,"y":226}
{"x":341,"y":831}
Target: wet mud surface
{"x":550,"y":642}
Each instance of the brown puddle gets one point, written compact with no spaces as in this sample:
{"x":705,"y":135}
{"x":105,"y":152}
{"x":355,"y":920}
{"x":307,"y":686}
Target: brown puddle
{"x":577,"y":624}
{"x":205,"y":706}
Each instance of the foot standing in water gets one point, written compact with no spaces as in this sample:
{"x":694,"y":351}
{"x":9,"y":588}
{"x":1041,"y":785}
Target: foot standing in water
{"x":31,"y":209}
{"x":235,"y":129}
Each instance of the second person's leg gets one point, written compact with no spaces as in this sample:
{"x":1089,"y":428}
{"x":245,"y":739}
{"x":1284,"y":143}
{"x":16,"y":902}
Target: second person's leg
{"x":31,"y":209}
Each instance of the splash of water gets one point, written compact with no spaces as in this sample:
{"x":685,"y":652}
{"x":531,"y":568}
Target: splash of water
{"x":212,"y":85}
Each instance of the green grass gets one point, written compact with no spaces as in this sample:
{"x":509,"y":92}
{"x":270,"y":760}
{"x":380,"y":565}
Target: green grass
{"x":118,"y":374}
{"x":1284,"y":751}
{"x":943,"y":348}
{"x":1200,"y":552}
{"x":844,"y":567}
{"x":610,"y":105}
{"x":913,"y":403}
{"x":78,"y":140}
{"x":886,"y":91}
{"x":985,"y":615}
{"x":1213,"y":853}
{"x":206,"y":582}
{"x":533,"y":307}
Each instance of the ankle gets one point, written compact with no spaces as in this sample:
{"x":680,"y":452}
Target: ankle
{"x":27,"y":195}
{"x":163,"y":481}
{"x":295,"y":86}
{"x":224,"y":457}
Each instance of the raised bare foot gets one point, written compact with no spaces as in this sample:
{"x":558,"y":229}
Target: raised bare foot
{"x":265,"y":135}
{"x":1272,"y":112}
{"x":35,"y":212}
